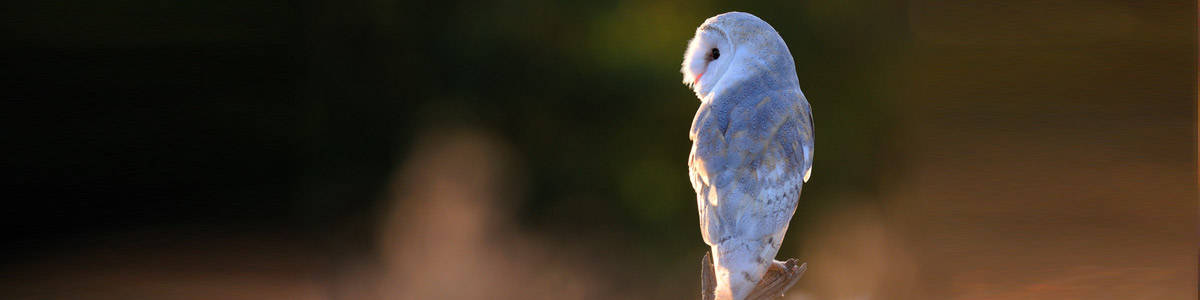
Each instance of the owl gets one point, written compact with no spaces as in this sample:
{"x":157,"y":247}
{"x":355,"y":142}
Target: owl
{"x":752,"y":145}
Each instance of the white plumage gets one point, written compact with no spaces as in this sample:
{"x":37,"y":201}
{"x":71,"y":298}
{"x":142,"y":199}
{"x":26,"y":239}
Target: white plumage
{"x":752,"y":145}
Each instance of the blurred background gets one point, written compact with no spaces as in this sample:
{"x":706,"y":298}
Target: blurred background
{"x":390,"y":149}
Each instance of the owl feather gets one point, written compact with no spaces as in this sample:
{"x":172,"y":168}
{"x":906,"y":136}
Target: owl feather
{"x":752,"y":145}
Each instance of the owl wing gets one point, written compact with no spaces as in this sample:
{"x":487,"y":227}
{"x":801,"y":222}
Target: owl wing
{"x":748,"y":165}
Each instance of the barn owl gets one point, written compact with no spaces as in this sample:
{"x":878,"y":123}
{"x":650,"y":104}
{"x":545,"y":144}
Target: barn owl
{"x":752,"y":145}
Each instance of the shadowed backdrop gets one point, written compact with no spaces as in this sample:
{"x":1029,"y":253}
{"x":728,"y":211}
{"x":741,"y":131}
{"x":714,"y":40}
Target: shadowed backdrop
{"x":537,"y":149}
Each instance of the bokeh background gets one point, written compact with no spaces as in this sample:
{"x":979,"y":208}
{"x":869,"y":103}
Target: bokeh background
{"x":389,"y":149}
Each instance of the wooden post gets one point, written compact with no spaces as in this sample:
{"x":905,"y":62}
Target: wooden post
{"x":773,"y":284}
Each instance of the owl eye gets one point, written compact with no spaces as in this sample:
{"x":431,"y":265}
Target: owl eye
{"x":715,"y":54}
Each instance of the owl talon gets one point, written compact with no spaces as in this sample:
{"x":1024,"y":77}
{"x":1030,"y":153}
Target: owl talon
{"x":777,"y":267}
{"x":780,"y":277}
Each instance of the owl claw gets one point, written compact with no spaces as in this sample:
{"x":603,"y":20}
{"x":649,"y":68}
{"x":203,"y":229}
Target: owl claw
{"x":779,"y":278}
{"x":777,"y":266}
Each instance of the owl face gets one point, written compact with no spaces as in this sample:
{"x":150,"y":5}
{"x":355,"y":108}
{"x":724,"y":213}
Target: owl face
{"x":707,"y":58}
{"x":730,"y":47}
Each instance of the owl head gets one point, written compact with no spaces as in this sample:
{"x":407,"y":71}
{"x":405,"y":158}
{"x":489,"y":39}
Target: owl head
{"x":729,"y":46}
